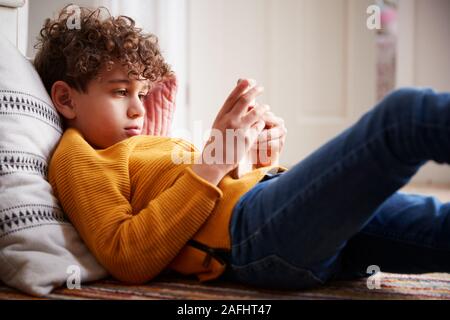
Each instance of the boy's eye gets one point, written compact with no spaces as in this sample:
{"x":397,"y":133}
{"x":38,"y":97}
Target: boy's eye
{"x":142,"y":96}
{"x":122,"y":92}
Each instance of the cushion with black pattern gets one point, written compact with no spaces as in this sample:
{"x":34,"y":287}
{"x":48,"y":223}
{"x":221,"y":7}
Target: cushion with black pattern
{"x":39,"y":248}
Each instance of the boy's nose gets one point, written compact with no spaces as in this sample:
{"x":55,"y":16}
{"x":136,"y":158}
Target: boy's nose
{"x":136,"y":109}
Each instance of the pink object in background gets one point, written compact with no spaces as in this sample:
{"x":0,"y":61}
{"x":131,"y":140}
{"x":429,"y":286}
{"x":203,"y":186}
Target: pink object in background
{"x":386,"y":52}
{"x":389,"y":20}
{"x":160,"y":106}
{"x":388,"y":16}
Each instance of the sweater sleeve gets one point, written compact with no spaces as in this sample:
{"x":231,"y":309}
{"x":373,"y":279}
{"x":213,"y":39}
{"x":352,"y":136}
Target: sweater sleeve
{"x":134,"y":248}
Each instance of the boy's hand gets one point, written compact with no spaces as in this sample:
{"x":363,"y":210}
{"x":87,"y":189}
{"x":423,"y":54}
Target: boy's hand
{"x":270,"y":142}
{"x":247,"y":125}
{"x":160,"y":107}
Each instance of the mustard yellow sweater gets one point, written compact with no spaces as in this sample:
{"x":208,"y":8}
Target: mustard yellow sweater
{"x":136,"y":209}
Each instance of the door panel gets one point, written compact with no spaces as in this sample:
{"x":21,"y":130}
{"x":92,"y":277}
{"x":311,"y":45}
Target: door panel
{"x":423,"y":60}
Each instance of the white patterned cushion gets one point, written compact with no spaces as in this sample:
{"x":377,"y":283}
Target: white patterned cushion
{"x":39,"y":248}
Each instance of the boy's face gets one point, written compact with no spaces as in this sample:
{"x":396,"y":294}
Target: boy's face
{"x":112,"y":109}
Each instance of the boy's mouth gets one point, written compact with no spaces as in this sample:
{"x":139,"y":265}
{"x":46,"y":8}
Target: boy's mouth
{"x":133,"y":131}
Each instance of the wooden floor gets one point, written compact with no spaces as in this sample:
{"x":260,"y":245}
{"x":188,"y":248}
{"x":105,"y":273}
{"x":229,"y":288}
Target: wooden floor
{"x":392,"y":286}
{"x":389,"y":286}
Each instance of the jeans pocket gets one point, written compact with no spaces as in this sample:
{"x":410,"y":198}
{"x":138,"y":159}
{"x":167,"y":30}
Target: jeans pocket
{"x":275,"y":273}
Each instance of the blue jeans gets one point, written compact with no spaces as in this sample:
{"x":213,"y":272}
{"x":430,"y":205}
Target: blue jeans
{"x":339,"y":211}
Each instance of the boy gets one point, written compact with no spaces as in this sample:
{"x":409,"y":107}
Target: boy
{"x":140,"y":212}
{"x":137,"y":211}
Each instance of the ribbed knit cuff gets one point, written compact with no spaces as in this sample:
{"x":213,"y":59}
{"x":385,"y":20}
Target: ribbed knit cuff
{"x":199,"y":181}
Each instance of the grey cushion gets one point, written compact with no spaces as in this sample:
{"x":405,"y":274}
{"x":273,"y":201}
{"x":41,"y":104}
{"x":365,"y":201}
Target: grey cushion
{"x":39,"y":247}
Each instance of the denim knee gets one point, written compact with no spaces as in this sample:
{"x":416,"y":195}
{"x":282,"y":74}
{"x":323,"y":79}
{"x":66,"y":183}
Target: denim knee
{"x":398,"y":109}
{"x":416,"y":124}
{"x":404,"y":104}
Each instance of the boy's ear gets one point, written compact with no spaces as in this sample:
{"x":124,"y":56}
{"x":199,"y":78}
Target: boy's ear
{"x":63,"y":100}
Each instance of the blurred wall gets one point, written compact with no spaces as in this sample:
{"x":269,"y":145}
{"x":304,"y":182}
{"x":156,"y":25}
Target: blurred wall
{"x":165,"y":18}
{"x":39,"y":10}
{"x":423,"y":59}
{"x":315,"y":58}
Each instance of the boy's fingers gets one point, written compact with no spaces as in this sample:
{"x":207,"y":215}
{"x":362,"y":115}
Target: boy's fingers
{"x":241,"y":87}
{"x":254,"y":114}
{"x":269,"y":152}
{"x":271,"y":134}
{"x":251,"y":82}
{"x":272,"y":145}
{"x":272,"y":120}
{"x":244,"y":101}
{"x":255,"y":130}
{"x":259,"y":125}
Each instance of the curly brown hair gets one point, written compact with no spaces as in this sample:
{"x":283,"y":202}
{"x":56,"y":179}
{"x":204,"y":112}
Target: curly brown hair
{"x":76,"y":55}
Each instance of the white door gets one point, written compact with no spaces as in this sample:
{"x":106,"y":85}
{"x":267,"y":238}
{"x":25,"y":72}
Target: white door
{"x":321,"y":69}
{"x":315,"y":58}
{"x":423,"y":59}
